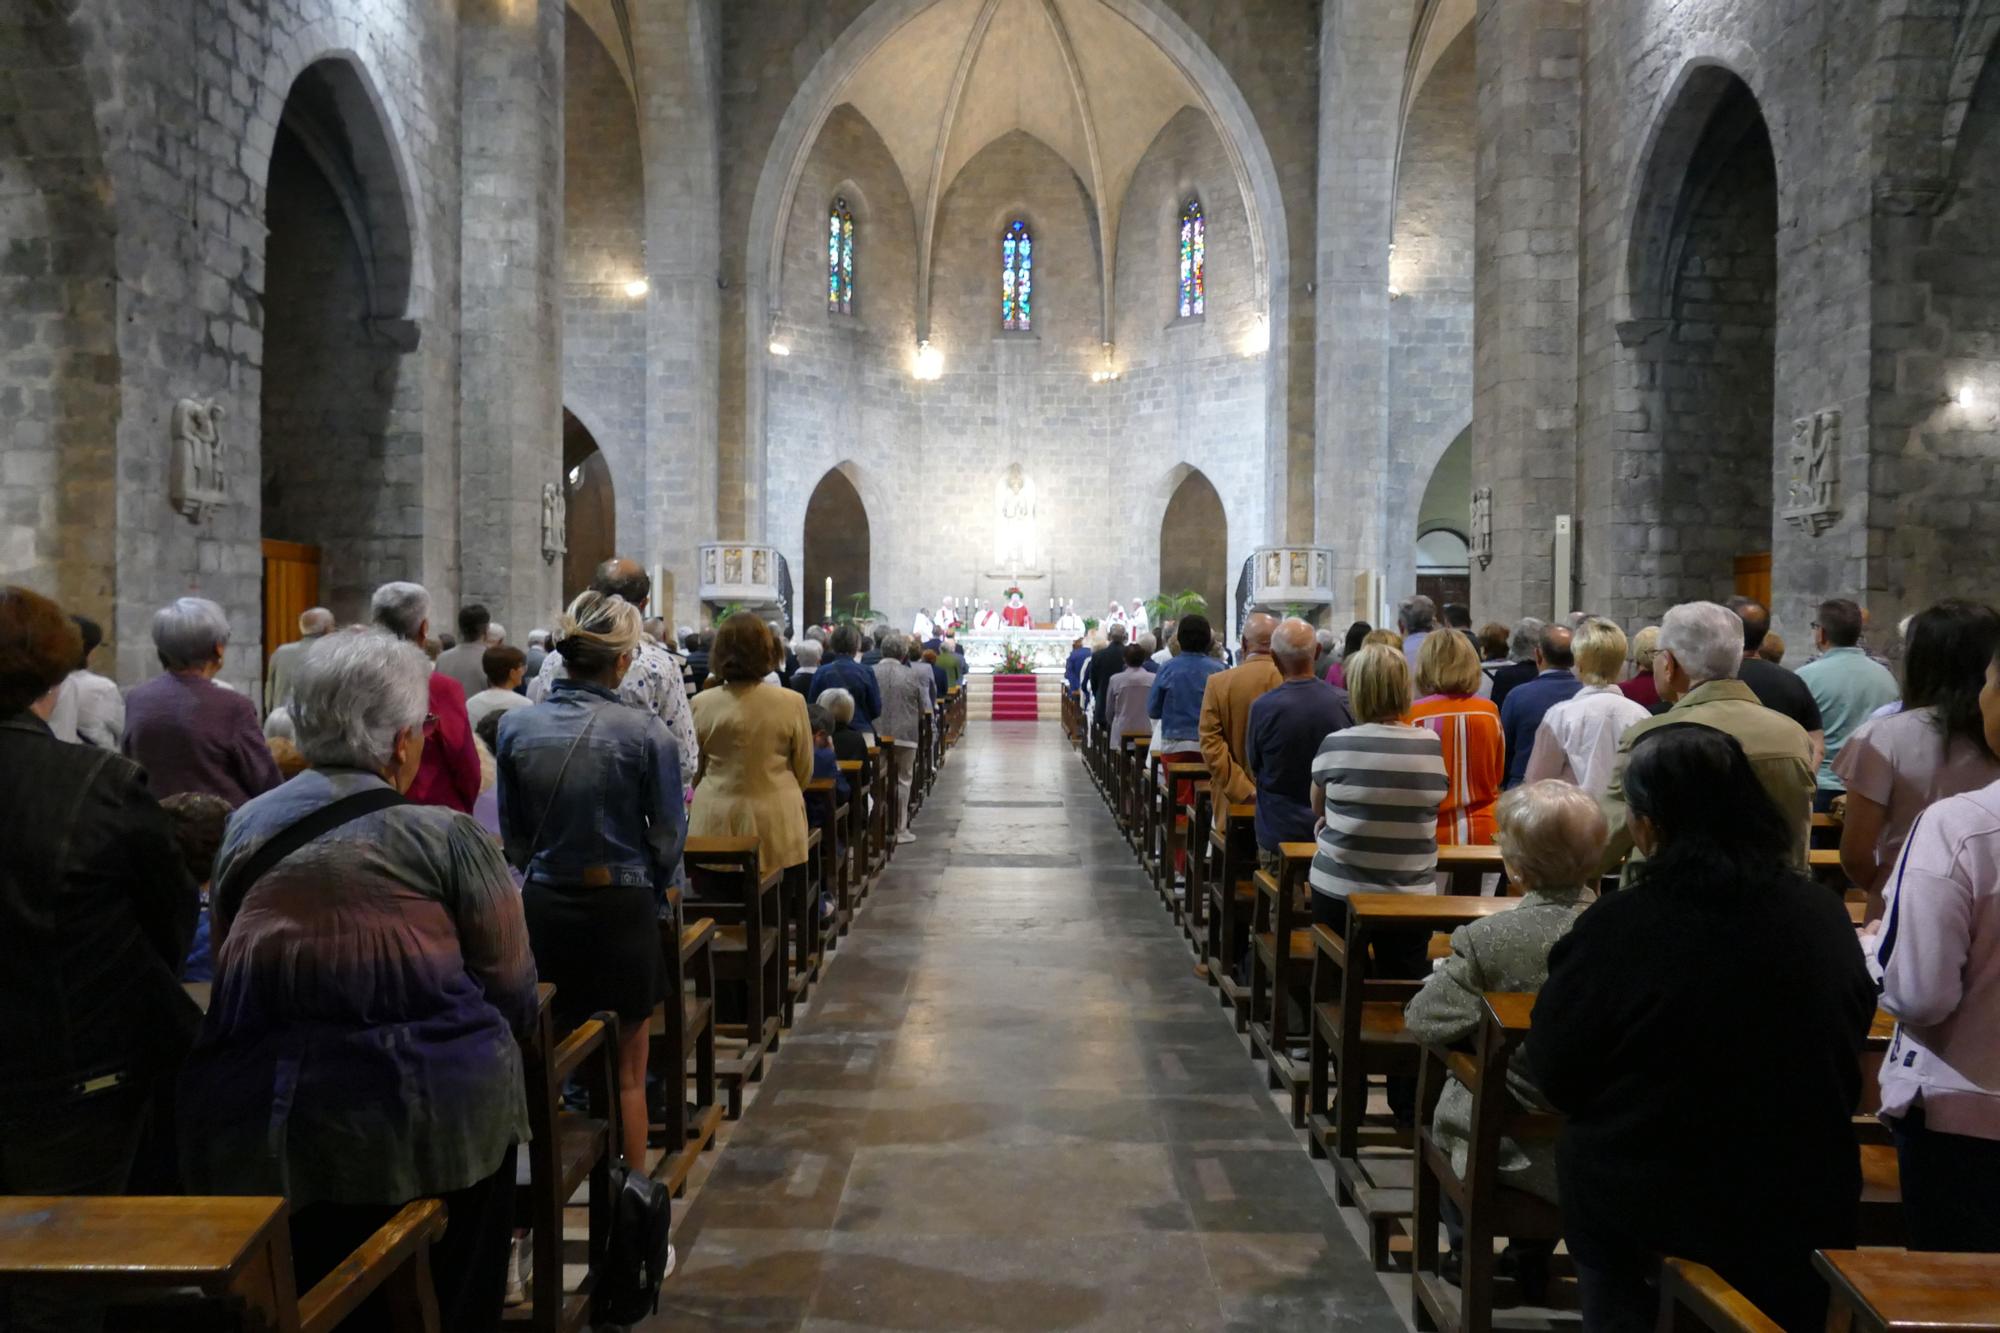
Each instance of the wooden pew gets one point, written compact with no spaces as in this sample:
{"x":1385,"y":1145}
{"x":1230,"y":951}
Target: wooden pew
{"x":681,"y":1032}
{"x":1490,"y":1209}
{"x":830,"y":856}
{"x":1897,"y":1291}
{"x":1357,"y":1032}
{"x":1231,"y":895}
{"x":1132,"y":750}
{"x":879,"y":825}
{"x":1694,"y":1298}
{"x":1199,"y":816}
{"x":1467,"y":866}
{"x":565,"y":1149}
{"x":1150,"y":800}
{"x":801,"y":894}
{"x":1175,"y":821}
{"x":1281,"y":954}
{"x":920,"y":776}
{"x":724,"y":882}
{"x":236,"y":1251}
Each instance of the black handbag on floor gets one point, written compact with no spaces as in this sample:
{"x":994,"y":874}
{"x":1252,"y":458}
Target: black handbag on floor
{"x":635,"y":1253}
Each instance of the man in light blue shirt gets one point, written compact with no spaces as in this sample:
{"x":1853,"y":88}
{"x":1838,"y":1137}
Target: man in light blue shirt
{"x":1846,"y":683}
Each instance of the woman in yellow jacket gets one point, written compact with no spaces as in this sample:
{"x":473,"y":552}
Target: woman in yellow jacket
{"x":756,"y":749}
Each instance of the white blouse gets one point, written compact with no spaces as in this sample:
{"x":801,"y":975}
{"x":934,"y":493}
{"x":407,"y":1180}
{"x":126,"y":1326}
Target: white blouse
{"x":1578,"y":738}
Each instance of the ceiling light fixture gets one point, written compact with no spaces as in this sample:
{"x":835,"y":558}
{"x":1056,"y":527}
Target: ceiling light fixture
{"x":1259,"y":341}
{"x":930,"y":362}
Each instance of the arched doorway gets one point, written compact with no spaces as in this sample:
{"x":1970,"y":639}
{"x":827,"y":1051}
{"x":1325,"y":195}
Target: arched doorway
{"x":1194,"y":545}
{"x":592,"y":533}
{"x":837,"y":548}
{"x":1443,"y":555}
{"x":1705,"y":290}
{"x":341,"y":452}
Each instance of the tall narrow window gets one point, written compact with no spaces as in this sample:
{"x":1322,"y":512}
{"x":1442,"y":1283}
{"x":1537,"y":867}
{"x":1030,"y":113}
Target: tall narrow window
{"x":1193,"y":243}
{"x":1017,"y":276}
{"x":840,"y":259}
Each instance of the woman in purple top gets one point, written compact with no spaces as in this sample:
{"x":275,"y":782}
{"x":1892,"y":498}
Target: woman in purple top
{"x":187,"y":732}
{"x":1336,"y":675}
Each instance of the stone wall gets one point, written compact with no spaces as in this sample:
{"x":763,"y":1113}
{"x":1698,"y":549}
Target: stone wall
{"x":604,"y":227}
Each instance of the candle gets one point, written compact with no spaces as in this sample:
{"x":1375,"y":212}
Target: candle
{"x":829,"y":597}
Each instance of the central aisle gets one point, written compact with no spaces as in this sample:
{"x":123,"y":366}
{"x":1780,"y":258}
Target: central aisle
{"x":1013,"y":1106}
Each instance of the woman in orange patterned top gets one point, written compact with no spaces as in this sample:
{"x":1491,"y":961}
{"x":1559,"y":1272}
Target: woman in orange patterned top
{"x":1468,"y":727}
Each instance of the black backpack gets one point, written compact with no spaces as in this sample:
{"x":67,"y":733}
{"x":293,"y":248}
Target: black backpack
{"x":635,"y":1253}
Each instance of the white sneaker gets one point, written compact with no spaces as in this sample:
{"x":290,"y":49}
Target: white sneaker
{"x":520,"y":1270}
{"x":905,"y":837}
{"x":672,"y":1259}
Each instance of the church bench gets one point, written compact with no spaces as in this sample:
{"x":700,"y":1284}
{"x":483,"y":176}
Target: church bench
{"x":1231,"y":894}
{"x":800,"y":890}
{"x":854,"y":853}
{"x":565,"y":1149}
{"x":1281,"y":955}
{"x":235,"y":1250}
{"x":1150,"y":801}
{"x":724,"y":882}
{"x":1173,"y":823}
{"x":880,"y":791}
{"x":1490,"y":1208}
{"x":683,"y":1030}
{"x":1357,"y":1032}
{"x":920,"y":777}
{"x":1132,"y":750}
{"x":1897,"y":1291}
{"x":1694,"y":1298}
{"x":1466,"y":867}
{"x":830,"y":857}
{"x":1197,"y":816}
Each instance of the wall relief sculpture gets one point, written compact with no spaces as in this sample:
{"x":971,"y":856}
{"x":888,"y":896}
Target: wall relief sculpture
{"x":198,"y":476}
{"x":555,"y":522}
{"x":1812,"y":491}
{"x":1482,"y":526}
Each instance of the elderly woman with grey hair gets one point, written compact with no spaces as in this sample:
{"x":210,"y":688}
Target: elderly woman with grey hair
{"x":449,"y":774}
{"x":371,"y":974}
{"x":186,"y":731}
{"x":1551,"y":836}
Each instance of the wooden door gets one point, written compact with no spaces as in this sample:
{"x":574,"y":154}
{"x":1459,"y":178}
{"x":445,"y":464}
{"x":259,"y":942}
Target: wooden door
{"x":291,"y":588}
{"x":1753,"y":577}
{"x":1443,"y":588}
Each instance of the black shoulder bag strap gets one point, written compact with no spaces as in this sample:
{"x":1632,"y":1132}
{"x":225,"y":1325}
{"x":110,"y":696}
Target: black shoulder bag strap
{"x":229,"y":896}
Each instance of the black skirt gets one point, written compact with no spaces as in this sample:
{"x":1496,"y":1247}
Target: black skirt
{"x":599,"y":947}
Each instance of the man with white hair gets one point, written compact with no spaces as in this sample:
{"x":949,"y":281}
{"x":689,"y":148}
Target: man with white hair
{"x":538,"y":652}
{"x":448,"y":772}
{"x":1701,"y":648}
{"x":285,"y":657}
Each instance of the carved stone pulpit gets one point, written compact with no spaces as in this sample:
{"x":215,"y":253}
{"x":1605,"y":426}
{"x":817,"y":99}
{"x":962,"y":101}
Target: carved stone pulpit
{"x":1291,"y":576}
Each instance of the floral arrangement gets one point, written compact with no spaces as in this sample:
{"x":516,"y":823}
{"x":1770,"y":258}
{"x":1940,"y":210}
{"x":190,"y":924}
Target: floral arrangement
{"x":1015,"y":661}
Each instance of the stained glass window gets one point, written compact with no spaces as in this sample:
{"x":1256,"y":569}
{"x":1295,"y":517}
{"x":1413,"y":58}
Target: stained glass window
{"x":1017,"y":276}
{"x":840,"y":259}
{"x":1193,"y":243}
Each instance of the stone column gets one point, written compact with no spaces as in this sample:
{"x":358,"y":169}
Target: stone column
{"x":1362,"y":49}
{"x":1525,"y":280}
{"x":510,"y":351}
{"x":676,"y":45}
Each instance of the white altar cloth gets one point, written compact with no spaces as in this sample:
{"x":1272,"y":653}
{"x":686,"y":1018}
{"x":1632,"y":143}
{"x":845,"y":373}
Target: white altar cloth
{"x":1049,"y":648}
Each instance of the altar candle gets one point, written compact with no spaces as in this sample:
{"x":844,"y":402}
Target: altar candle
{"x":829,"y":597}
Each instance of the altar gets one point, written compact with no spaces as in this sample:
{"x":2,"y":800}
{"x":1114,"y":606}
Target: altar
{"x":1048,"y":649}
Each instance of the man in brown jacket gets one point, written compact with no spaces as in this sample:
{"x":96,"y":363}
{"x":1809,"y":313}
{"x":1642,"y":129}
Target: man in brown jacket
{"x":1225,"y":715}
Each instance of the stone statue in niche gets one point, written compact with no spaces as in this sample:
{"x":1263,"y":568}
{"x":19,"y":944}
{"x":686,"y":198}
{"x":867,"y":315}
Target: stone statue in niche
{"x":760,"y":567}
{"x":1482,"y":526}
{"x":732,"y":565}
{"x":1298,"y":569}
{"x":1016,"y":549}
{"x":198,"y":479}
{"x":1271,"y":569}
{"x":1812,"y":493}
{"x":555,"y":522}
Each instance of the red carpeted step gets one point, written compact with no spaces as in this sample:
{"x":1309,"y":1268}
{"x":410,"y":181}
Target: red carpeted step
{"x":1016,"y":699}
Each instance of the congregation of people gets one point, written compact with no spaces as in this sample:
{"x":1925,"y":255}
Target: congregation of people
{"x":1703,"y":1000}
{"x":372,"y":873}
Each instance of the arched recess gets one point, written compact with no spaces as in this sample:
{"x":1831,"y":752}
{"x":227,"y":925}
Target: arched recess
{"x":1440,"y":545}
{"x":341,"y":440}
{"x":1194,"y":544}
{"x":772,"y":207}
{"x":59,"y":363}
{"x":592,"y":499}
{"x":1703,"y":278}
{"x":836,"y":546}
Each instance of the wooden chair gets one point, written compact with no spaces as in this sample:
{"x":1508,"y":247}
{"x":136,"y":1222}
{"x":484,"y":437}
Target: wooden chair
{"x":1357,"y":1034}
{"x":1490,"y":1208}
{"x":1281,"y":955}
{"x":1693,"y":1298}
{"x":854,"y":854}
{"x":1231,"y":895}
{"x":235,"y":1251}
{"x":1897,"y":1291}
{"x":683,"y":1032}
{"x":724,"y":882}
{"x":565,"y":1149}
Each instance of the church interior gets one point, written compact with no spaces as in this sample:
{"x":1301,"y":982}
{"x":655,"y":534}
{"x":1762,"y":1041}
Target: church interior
{"x":1022,"y":537}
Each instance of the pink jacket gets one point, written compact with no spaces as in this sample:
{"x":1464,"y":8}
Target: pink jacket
{"x":1940,"y":956}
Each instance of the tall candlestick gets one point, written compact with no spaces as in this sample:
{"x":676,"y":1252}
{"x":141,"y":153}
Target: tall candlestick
{"x":829,"y":597}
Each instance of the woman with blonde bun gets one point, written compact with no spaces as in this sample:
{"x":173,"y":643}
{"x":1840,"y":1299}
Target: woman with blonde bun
{"x":591,"y":814}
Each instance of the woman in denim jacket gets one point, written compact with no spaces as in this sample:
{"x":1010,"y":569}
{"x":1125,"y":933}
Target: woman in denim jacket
{"x":591,"y":813}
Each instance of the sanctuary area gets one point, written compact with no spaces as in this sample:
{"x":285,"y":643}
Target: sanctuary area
{"x":999,"y":664}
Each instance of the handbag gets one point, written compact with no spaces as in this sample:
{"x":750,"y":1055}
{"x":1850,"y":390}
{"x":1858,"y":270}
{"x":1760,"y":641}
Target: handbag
{"x":638,"y":1252}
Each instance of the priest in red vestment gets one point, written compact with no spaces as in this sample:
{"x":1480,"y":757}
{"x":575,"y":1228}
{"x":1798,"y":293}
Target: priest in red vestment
{"x":1015,"y":614}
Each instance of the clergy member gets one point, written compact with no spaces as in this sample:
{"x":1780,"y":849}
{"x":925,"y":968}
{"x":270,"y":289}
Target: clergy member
{"x":1016,"y":615}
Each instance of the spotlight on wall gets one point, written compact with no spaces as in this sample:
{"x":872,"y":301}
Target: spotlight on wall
{"x":929,"y":363}
{"x":1967,"y":396}
{"x":637,"y":287}
{"x":1107,"y":371}
{"x":779,"y":347}
{"x":1259,"y":340}
{"x":1395,"y":292}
